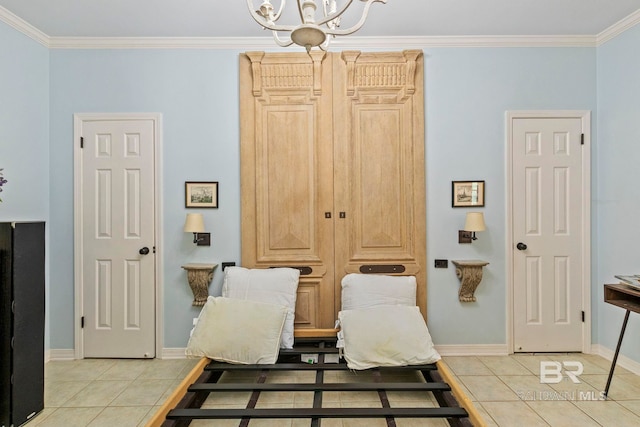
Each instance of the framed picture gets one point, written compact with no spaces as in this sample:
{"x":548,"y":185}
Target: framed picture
{"x":201,"y":194}
{"x":467,"y":194}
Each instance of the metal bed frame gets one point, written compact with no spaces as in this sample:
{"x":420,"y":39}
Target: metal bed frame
{"x":185,"y":404}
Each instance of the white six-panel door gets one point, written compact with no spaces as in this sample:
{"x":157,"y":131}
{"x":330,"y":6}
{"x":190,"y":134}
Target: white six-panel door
{"x":548,"y":233}
{"x":117,"y":243}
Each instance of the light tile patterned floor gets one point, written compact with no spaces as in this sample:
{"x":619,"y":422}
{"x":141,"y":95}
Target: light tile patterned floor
{"x":505,"y":389}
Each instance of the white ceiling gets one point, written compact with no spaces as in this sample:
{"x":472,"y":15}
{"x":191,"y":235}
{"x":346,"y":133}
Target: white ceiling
{"x":229,"y":18}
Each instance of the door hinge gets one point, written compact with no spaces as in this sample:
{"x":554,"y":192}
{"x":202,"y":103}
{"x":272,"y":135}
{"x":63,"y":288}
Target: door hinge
{"x":154,"y":249}
{"x":82,"y":322}
{"x":81,"y":142}
{"x":583,"y":315}
{"x":582,"y":139}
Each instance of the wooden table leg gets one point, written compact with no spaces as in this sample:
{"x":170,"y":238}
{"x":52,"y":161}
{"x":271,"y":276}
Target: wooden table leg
{"x":615,"y":356}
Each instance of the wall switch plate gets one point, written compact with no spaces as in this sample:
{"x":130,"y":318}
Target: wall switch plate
{"x":441,"y":263}
{"x":203,"y":239}
{"x":464,"y":236}
{"x":228,"y":264}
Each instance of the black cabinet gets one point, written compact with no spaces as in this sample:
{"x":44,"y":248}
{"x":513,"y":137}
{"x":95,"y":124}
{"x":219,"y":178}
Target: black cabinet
{"x":22,"y":278}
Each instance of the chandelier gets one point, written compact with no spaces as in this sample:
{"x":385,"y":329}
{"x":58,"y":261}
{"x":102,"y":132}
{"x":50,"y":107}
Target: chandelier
{"x":309,"y":33}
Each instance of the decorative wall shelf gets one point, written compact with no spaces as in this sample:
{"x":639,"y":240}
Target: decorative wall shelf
{"x":470,"y":274}
{"x":199,"y":277}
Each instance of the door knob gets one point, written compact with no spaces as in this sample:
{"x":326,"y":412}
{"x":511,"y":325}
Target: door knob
{"x":521,"y":246}
{"x":144,"y":251}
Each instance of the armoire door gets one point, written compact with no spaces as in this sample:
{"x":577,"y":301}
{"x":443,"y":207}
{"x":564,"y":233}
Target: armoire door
{"x":332,"y":170}
{"x":379,"y":166}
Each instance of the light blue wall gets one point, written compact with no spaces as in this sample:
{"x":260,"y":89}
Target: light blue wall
{"x":24,"y":126}
{"x":617,"y":206}
{"x":24,"y":129}
{"x":468,"y":91}
{"x":197,"y":93}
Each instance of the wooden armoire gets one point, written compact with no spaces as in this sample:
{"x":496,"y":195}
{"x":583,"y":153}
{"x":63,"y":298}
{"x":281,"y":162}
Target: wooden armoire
{"x":332,"y":170}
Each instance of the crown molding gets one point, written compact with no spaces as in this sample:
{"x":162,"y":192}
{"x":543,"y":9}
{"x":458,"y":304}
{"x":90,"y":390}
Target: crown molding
{"x":618,"y":28}
{"x":160,"y":42}
{"x":248,"y":43}
{"x":23,"y":26}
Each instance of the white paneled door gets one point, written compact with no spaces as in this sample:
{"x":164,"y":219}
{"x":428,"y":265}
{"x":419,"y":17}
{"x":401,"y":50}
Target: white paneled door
{"x":118,"y":244}
{"x":548,"y":191}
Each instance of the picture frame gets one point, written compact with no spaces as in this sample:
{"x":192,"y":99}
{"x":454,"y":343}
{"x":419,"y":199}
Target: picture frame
{"x":467,"y":194}
{"x":201,"y":194}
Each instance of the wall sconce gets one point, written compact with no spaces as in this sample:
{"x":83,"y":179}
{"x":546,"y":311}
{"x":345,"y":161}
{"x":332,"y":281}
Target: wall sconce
{"x":195,"y":224}
{"x":473,"y":223}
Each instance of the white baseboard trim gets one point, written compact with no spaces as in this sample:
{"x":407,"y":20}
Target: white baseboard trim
{"x":623,"y":361}
{"x":69,"y":354}
{"x":472,"y":350}
{"x":59,"y":354}
{"x":173,"y":353}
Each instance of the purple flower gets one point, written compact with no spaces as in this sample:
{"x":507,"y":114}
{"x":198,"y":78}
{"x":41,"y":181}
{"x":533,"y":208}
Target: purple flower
{"x":2,"y":182}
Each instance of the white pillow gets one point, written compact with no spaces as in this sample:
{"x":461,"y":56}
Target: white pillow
{"x":226,"y":331}
{"x":394,"y":335}
{"x":270,"y":285}
{"x":372,"y":290}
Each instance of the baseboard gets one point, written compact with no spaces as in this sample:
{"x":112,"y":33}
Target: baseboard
{"x":623,"y":361}
{"x":472,"y":350}
{"x":173,"y":353}
{"x":59,"y":354}
{"x":69,"y":354}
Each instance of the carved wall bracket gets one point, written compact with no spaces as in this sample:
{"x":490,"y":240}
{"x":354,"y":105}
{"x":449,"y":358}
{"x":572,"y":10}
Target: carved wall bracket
{"x":199,"y":277}
{"x":470,"y":275}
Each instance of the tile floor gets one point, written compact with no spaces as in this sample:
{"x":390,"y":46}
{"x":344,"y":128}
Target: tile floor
{"x":505,"y":389}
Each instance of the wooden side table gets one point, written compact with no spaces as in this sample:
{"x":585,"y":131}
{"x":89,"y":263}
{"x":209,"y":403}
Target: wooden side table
{"x":628,"y":298}
{"x":470,"y":275}
{"x":199,"y":277}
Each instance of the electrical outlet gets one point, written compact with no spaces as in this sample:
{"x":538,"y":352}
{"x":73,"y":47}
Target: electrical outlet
{"x":331,"y":358}
{"x":309,"y":358}
{"x":228,"y":264}
{"x":441,"y":263}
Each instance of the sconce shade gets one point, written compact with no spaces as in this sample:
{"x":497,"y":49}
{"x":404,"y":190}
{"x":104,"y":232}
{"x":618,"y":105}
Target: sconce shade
{"x":194,"y":223}
{"x":475,"y":222}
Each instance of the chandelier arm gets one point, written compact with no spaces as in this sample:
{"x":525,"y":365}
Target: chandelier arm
{"x":280,"y":42}
{"x":277,"y":15}
{"x":264,"y":23}
{"x":325,"y":46}
{"x":337,"y":14}
{"x":300,"y":10}
{"x":360,"y":23}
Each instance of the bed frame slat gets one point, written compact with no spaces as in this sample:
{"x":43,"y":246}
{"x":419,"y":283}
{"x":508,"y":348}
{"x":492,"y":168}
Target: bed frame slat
{"x":275,"y":413}
{"x":307,"y":367}
{"x":320,"y":387}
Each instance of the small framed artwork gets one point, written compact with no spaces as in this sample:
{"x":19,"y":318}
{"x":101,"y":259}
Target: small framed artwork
{"x":467,"y":194}
{"x":201,"y":194}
